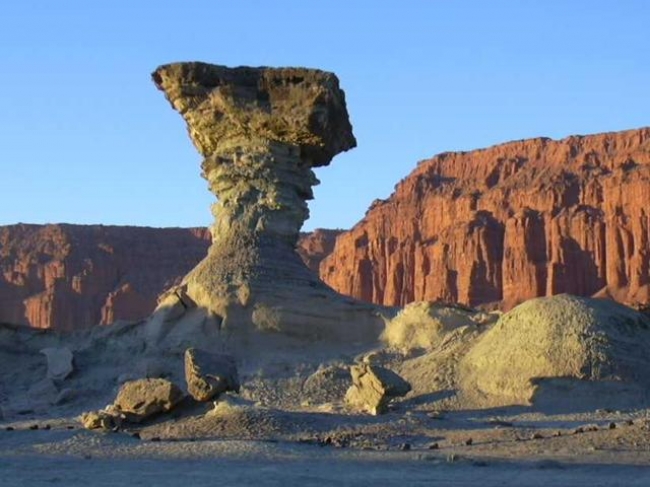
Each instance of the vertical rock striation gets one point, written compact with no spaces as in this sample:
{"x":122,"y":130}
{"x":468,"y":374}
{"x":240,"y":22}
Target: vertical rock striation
{"x":508,"y":223}
{"x":71,"y":277}
{"x":260,"y":132}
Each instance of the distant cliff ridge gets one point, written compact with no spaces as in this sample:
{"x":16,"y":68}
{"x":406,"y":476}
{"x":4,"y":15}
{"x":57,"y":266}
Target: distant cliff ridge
{"x":71,"y":277}
{"x":500,"y":225}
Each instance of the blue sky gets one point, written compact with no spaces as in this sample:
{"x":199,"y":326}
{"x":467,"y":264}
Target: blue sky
{"x":86,"y":138}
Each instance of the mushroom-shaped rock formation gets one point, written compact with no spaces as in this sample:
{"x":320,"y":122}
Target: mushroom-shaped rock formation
{"x":261,"y":131}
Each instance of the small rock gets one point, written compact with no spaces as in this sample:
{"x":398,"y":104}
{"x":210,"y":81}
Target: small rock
{"x":59,"y":362}
{"x":209,"y":374}
{"x":469,"y":442}
{"x":433,"y":446}
{"x":33,"y":427}
{"x":47,"y":427}
{"x":98,"y":420}
{"x":140,"y":399}
{"x":373,"y":387}
{"x":611,"y":426}
{"x":9,"y":428}
{"x":578,"y":430}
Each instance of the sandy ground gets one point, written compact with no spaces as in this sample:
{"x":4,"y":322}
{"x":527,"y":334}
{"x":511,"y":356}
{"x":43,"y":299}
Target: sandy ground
{"x":289,"y":425}
{"x":508,"y":447}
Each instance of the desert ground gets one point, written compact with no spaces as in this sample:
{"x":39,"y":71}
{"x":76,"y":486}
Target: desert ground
{"x":253,"y":371}
{"x":508,"y":448}
{"x":292,"y":423}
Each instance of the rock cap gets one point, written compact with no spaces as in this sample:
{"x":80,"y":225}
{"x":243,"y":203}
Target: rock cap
{"x":222,"y":106}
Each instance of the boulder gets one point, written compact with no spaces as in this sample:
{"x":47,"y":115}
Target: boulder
{"x":209,"y":374}
{"x":373,"y":387}
{"x":104,"y":420}
{"x":140,"y":399}
{"x":328,"y":384}
{"x":59,"y":362}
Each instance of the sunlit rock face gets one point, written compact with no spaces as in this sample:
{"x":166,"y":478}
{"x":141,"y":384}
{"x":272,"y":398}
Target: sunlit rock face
{"x":261,"y":131}
{"x":508,"y":223}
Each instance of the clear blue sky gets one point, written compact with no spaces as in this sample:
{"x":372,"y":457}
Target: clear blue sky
{"x":86,"y":138}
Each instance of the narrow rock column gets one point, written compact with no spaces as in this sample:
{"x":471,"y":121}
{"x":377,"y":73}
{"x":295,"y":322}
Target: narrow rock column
{"x":261,"y":131}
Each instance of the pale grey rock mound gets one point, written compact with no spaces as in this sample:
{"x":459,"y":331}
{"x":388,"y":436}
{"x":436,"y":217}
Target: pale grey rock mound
{"x":260,"y":132}
{"x":373,"y":387}
{"x":143,"y":398}
{"x":59,"y":362}
{"x":561,"y":345}
{"x":209,"y":374}
{"x":327,"y":385}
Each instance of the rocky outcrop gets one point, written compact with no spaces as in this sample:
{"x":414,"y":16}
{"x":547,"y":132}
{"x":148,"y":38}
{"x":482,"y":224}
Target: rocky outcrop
{"x":501,"y":225}
{"x":143,"y":398}
{"x":74,"y":276}
{"x":136,"y":401}
{"x":260,"y":132}
{"x":564,"y":347}
{"x":209,"y":374}
{"x":373,"y":387}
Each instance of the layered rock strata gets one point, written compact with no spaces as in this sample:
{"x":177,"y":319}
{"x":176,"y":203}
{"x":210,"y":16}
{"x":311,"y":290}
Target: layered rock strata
{"x":501,"y":225}
{"x":70,"y":277}
{"x":261,"y":131}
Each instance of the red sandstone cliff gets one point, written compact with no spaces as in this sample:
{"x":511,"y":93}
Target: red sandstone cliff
{"x":504,"y":224}
{"x":315,"y":246}
{"x":498,"y":225}
{"x":74,"y":276}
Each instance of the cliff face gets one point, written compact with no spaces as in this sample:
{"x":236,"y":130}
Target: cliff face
{"x":74,"y":276}
{"x":499,"y":225}
{"x":313,"y":247}
{"x":504,"y":224}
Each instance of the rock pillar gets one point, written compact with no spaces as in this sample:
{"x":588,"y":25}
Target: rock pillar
{"x":260,"y":132}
